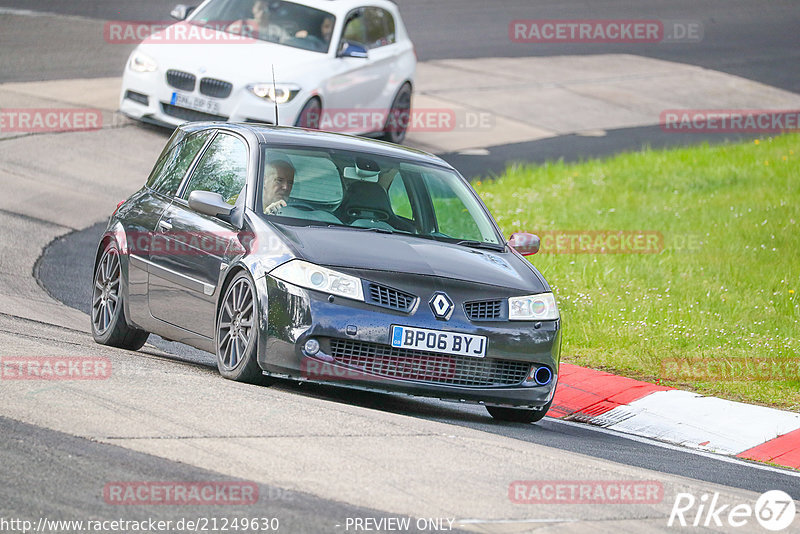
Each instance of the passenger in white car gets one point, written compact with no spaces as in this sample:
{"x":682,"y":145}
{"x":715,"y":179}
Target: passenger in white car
{"x":260,"y":26}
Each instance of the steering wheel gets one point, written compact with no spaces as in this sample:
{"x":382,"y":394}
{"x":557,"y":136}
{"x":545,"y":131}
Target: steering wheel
{"x":301,"y":205}
{"x":316,"y":42}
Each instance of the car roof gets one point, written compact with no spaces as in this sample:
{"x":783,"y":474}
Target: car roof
{"x":301,"y":137}
{"x":342,"y":7}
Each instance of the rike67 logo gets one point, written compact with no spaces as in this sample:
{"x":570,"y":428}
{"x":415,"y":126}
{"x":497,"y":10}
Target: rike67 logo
{"x":774,"y":511}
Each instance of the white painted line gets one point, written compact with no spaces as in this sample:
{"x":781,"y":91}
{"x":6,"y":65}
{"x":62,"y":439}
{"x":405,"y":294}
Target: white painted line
{"x":30,"y":13}
{"x":514,"y":521}
{"x":678,"y":448}
{"x":706,"y":423}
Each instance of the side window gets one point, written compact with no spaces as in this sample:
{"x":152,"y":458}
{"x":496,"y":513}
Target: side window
{"x":380,"y":27}
{"x":171,"y":168}
{"x":450,"y":210}
{"x":222,"y":169}
{"x":398,"y":198}
{"x":354,"y":30}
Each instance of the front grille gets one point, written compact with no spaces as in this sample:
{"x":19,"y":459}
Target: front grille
{"x":428,"y":367}
{"x":137,"y":97}
{"x":215,"y":88}
{"x":482,"y":310}
{"x":390,"y":298}
{"x":190,"y":114}
{"x":181,"y":80}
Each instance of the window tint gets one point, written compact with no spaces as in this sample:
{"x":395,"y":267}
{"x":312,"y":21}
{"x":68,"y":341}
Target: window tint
{"x":379,"y":25}
{"x":398,"y":197}
{"x":171,"y":168}
{"x":354,"y":30}
{"x":222,"y":169}
{"x":457,"y":214}
{"x":316,"y":177}
{"x":282,"y":22}
{"x":362,"y":190}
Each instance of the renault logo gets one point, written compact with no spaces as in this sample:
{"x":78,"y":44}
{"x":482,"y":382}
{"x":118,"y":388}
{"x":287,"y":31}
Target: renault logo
{"x":441,"y":305}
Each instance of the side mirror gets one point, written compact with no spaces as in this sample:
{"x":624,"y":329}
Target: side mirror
{"x":209,"y":203}
{"x":524,"y":243}
{"x":350,"y":49}
{"x":180,"y":12}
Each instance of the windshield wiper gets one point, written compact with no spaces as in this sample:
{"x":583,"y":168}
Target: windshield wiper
{"x":362,"y":229}
{"x":480,"y":244}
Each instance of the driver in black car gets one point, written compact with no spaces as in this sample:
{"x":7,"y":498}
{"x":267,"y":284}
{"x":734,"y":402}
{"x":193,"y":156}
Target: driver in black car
{"x":278,"y":182}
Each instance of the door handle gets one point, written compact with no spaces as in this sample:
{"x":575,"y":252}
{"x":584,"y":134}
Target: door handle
{"x":165,"y":226}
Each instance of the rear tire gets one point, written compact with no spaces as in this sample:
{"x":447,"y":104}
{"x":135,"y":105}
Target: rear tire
{"x":518,"y":415}
{"x":236,"y":338}
{"x":399,"y":116}
{"x":109,"y":325}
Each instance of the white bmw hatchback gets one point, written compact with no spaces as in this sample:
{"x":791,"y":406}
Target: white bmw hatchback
{"x":341,"y":65}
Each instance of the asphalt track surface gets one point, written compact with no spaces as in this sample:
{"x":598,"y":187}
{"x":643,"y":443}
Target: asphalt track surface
{"x":74,"y":489}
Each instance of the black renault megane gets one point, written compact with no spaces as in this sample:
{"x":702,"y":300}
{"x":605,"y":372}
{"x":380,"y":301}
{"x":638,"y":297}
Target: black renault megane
{"x":329,"y":258}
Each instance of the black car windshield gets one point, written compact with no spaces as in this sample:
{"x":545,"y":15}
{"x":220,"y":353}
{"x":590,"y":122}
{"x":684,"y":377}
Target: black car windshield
{"x":340,"y":188}
{"x":280,"y":22}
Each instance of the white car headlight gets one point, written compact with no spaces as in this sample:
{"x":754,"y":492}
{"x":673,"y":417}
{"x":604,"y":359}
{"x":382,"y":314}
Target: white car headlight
{"x":141,"y":62}
{"x":541,"y":307}
{"x":279,"y":93}
{"x":304,"y":274}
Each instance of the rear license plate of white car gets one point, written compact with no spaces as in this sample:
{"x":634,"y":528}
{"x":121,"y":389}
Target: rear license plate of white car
{"x":407,"y":337}
{"x":197,"y":103}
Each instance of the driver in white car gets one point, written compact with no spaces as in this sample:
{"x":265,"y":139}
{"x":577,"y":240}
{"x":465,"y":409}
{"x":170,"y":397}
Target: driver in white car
{"x":259,"y":26}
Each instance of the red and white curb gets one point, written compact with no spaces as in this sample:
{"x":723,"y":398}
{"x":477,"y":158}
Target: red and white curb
{"x":680,"y":417}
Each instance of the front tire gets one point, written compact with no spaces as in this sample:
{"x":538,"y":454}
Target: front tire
{"x":518,"y":415}
{"x":310,"y":114}
{"x":236,"y":338}
{"x":399,"y":116}
{"x":109,"y":325}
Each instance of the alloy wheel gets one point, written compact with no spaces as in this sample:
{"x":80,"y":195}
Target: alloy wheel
{"x":105,"y":295}
{"x":235,"y":329}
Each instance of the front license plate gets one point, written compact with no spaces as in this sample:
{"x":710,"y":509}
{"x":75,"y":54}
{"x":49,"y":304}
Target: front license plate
{"x":198,"y":103}
{"x":407,"y":337}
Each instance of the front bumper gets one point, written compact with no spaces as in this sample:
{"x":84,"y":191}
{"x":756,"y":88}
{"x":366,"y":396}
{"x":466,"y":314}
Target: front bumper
{"x":146,"y":96}
{"x":355,"y":351}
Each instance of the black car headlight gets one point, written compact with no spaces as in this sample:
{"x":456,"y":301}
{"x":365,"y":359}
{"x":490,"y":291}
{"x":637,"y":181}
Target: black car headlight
{"x":304,"y":274}
{"x":541,"y":307}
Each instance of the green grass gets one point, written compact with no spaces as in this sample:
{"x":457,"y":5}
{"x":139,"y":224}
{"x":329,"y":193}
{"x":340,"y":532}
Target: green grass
{"x":724,"y":287}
